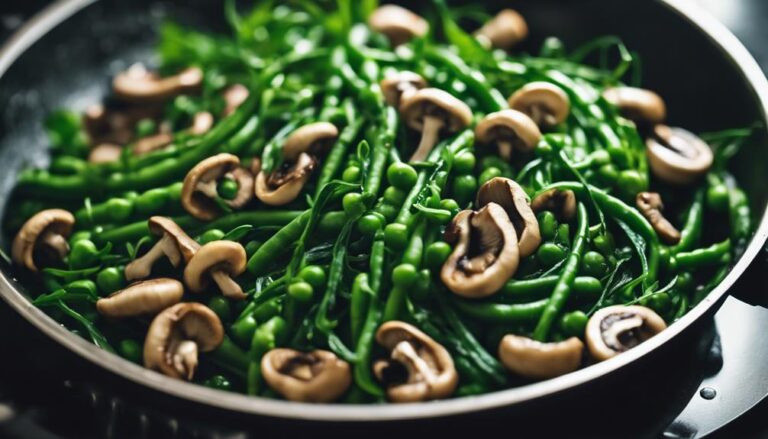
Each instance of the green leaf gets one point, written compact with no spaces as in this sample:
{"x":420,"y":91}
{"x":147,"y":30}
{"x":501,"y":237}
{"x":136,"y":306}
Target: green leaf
{"x":469,"y":48}
{"x":237,"y":233}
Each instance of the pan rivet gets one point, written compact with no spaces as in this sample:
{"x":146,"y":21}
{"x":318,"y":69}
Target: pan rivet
{"x":708,"y":393}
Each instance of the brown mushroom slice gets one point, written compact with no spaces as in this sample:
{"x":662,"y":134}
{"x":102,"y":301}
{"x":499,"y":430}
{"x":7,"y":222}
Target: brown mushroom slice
{"x":533,"y":359}
{"x":219,"y":261}
{"x":545,"y":103}
{"x":504,"y":31}
{"x":200,"y":185}
{"x":485,"y":255}
{"x":317,"y":376}
{"x":141,"y":298}
{"x":177,"y":335}
{"x":510,"y":130}
{"x":245,"y":189}
{"x":651,"y":206}
{"x":558,"y":201}
{"x":105,"y":153}
{"x":174,"y":244}
{"x":618,"y":328}
{"x":138,"y":85}
{"x":234,"y":96}
{"x":400,"y":86}
{"x":513,"y":199}
{"x":418,"y":369}
{"x":431,"y":111}
{"x":42,"y":239}
{"x":399,"y":24}
{"x":154,"y":142}
{"x":677,"y":156}
{"x":285,"y":184}
{"x":641,"y":106}
{"x":314,"y":139}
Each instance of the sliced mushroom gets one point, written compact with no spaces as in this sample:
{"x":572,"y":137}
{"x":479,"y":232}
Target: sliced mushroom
{"x":42,"y":239}
{"x":641,"y":106}
{"x":650,"y":205}
{"x":513,"y":199}
{"x":105,"y":153}
{"x":177,"y":335}
{"x":314,"y":139}
{"x":317,"y":376}
{"x":547,"y":104}
{"x":220,"y":261}
{"x":153,"y":142}
{"x":202,"y":122}
{"x":400,"y":86}
{"x":510,"y":130}
{"x":245,"y":188}
{"x":618,"y":328}
{"x":504,"y":31}
{"x":560,"y":202}
{"x":399,"y":24}
{"x":430,"y":111}
{"x":533,"y":359}
{"x":138,"y":85}
{"x":142,"y":298}
{"x":418,"y":369}
{"x":173,"y":244}
{"x":285,"y":184}
{"x":200,"y":189}
{"x":677,"y":156}
{"x":234,"y":95}
{"x":485,"y":255}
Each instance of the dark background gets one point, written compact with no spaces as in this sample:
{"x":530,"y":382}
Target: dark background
{"x":748,"y":19}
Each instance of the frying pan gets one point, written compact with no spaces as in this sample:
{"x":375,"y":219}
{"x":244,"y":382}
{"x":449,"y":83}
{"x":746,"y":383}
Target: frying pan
{"x":65,"y":55}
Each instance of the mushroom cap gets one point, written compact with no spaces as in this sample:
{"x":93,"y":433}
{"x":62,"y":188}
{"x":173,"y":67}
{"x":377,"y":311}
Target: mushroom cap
{"x":226,"y":256}
{"x":234,"y":96}
{"x":479,"y":269}
{"x":437,"y":103}
{"x":510,"y":126}
{"x":513,"y":199}
{"x":289,"y":181}
{"x":637,"y":104}
{"x":395,"y":85}
{"x":26,"y":243}
{"x":141,"y":298}
{"x":211,"y":169}
{"x":141,"y":86}
{"x":547,"y":104}
{"x":166,"y":337}
{"x":314,"y":139}
{"x":399,"y":24}
{"x":606,"y":327}
{"x":160,"y":226}
{"x":533,"y":359}
{"x":442,"y":378}
{"x":245,"y":189}
{"x":561,"y":202}
{"x":505,"y":30}
{"x":650,"y":205}
{"x":677,"y":156}
{"x":317,"y":376}
{"x":105,"y":153}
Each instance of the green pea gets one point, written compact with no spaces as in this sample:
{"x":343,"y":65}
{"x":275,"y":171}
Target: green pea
{"x":464,"y":188}
{"x":145,"y":127}
{"x":242,"y":330}
{"x":218,"y":382}
{"x":685,"y":281}
{"x":604,"y":243}
{"x":396,"y":236}
{"x":573,"y":324}
{"x":600,"y":157}
{"x":608,"y":173}
{"x":251,"y":247}
{"x":151,"y":201}
{"x":664,"y":255}
{"x":331,"y":223}
{"x":110,"y":279}
{"x":210,"y":236}
{"x":717,"y":197}
{"x":388,"y":211}
{"x":547,"y":225}
{"x":420,"y":288}
{"x":394,"y":196}
{"x":79,"y":236}
{"x":660,"y":302}
{"x":618,"y":156}
{"x":83,"y":254}
{"x":119,"y":209}
{"x":550,"y":254}
{"x":489,"y":174}
{"x":227,"y":188}
{"x":220,"y":306}
{"x":353,"y":204}
{"x":436,"y":254}
{"x":594,"y":264}
{"x":301,"y":291}
{"x":450,"y":204}
{"x":401,"y":175}
{"x":404,"y":275}
{"x":314,"y":275}
{"x":631,"y":182}
{"x":131,"y":350}
{"x":371,"y":223}
{"x":464,"y":163}
{"x":351,"y":174}
{"x":563,"y":236}
{"x":83,"y":286}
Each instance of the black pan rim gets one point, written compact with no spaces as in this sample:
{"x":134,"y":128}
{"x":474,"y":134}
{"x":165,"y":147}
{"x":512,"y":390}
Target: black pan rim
{"x":726,"y":42}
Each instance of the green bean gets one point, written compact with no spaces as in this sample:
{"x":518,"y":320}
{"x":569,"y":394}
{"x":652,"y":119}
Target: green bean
{"x":334,"y":159}
{"x":539,"y":288}
{"x":716,"y":254}
{"x":691,"y":232}
{"x":502,"y":312}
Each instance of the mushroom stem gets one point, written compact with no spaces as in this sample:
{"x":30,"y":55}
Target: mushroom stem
{"x":56,"y":242}
{"x":142,"y":267}
{"x":429,"y":137}
{"x":405,"y":354}
{"x":208,"y":188}
{"x":227,"y":285}
{"x":505,"y":149}
{"x":183,"y":356}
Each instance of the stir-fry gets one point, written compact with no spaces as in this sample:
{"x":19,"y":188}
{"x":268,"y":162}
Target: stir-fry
{"x":355,"y":203}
